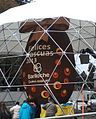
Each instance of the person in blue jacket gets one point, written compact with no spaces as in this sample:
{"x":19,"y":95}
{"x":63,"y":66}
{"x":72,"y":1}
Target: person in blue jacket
{"x":27,"y":110}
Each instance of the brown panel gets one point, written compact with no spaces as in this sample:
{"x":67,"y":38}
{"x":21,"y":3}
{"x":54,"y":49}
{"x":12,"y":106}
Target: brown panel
{"x":62,"y":23}
{"x":45,"y":55}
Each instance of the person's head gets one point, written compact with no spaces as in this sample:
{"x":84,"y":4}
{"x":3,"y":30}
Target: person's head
{"x":17,"y":103}
{"x":35,"y":99}
{"x":50,"y":99}
{"x":3,"y":106}
{"x":31,"y":101}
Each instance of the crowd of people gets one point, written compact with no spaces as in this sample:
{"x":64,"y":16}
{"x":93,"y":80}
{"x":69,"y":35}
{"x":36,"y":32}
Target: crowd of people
{"x":29,"y":109}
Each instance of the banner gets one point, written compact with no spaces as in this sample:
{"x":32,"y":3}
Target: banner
{"x":48,"y":69}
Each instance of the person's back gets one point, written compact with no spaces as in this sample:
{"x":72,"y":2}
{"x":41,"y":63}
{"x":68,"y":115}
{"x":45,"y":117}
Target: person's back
{"x":4,"y":112}
{"x":26,"y":111}
{"x":50,"y":108}
{"x":38,"y":107}
{"x":38,"y":111}
{"x":15,"y":109}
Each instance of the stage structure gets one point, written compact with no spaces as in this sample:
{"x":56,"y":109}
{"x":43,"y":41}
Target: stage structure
{"x":47,"y":56}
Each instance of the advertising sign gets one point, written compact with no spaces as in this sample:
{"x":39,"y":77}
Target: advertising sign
{"x":48,"y":70}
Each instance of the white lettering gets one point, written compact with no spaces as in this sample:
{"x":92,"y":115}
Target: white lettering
{"x":42,"y":75}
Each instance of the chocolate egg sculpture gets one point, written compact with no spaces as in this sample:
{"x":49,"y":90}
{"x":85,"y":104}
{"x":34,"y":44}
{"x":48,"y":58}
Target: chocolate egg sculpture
{"x":49,"y":68}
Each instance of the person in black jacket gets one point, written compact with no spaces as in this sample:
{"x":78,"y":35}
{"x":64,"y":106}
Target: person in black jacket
{"x":4,"y":112}
{"x":38,"y":107}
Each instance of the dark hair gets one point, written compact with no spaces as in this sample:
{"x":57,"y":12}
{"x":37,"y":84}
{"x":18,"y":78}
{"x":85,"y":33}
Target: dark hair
{"x":3,"y":107}
{"x":5,"y":111}
{"x":30,"y":100}
{"x":35,"y":99}
{"x":17,"y":103}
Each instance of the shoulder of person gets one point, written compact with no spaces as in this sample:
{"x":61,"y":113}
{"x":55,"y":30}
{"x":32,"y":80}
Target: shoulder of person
{"x":12,"y":108}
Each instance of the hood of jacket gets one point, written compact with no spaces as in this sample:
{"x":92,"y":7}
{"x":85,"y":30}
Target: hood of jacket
{"x":25,"y":105}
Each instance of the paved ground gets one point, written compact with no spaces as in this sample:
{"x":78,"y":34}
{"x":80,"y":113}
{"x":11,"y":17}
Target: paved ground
{"x":87,"y":117}
{"x":80,"y":117}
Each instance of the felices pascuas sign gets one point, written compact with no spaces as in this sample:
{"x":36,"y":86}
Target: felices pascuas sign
{"x":50,"y":53}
